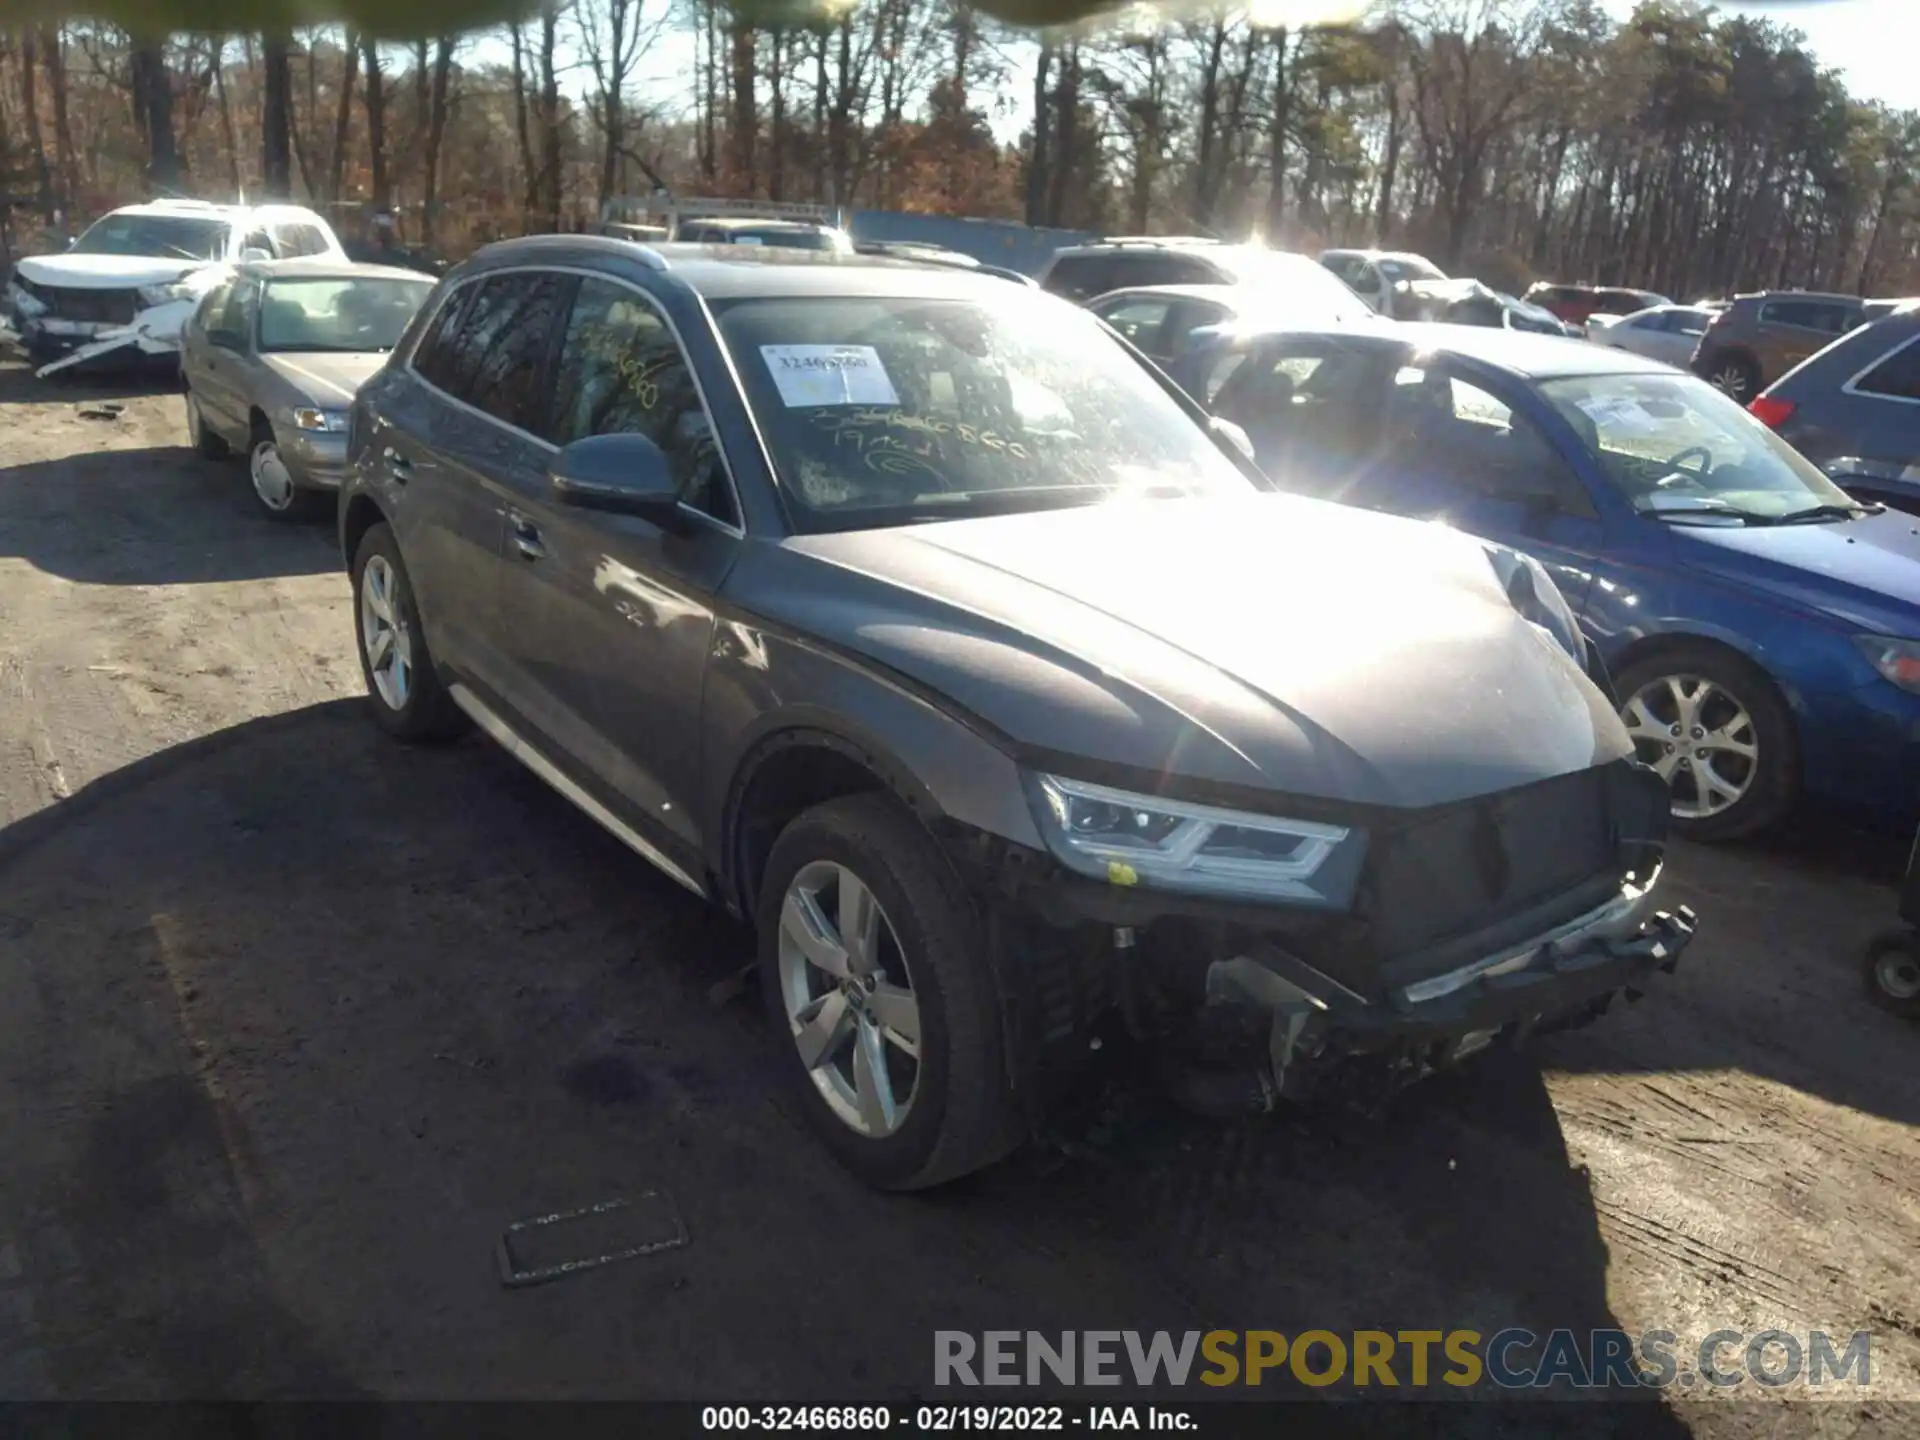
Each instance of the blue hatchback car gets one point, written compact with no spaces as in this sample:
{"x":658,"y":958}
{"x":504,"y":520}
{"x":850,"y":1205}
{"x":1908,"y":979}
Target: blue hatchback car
{"x":1762,"y":629}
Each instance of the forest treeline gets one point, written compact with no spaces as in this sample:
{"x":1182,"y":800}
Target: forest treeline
{"x":1683,"y":149}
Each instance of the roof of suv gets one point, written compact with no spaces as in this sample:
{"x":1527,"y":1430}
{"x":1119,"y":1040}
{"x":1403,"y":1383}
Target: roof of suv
{"x":323,"y":267}
{"x":725,"y":272}
{"x":209,"y":209}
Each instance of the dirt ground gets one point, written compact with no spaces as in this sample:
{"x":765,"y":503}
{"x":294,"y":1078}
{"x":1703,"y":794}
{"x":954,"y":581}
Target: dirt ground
{"x":293,"y":1023}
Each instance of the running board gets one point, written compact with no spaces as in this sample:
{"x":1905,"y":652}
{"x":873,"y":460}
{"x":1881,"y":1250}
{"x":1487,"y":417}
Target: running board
{"x":504,"y":735}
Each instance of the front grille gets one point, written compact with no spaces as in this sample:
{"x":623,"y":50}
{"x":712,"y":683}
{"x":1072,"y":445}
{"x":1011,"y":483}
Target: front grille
{"x":96,"y":307}
{"x":1464,"y":868}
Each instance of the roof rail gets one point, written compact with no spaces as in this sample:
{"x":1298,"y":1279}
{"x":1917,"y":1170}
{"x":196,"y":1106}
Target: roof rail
{"x":1159,"y":240}
{"x":629,"y":208}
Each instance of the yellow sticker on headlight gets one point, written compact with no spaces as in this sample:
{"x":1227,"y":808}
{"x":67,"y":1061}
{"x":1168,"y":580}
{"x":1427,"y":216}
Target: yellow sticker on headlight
{"x":1121,"y":873}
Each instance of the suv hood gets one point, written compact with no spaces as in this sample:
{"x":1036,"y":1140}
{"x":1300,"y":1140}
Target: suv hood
{"x":1864,"y":572}
{"x":1269,"y":641}
{"x":106,"y":272}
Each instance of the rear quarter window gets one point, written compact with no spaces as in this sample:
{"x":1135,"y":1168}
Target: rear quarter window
{"x":1897,"y":375}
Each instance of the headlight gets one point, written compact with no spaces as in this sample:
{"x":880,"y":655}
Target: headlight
{"x":330,"y":420}
{"x":1897,"y":660}
{"x":1531,"y":591}
{"x":152,"y":295}
{"x":1130,"y":839}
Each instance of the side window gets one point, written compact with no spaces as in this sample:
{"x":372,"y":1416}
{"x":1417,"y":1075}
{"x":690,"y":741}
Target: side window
{"x":1188,"y":316}
{"x":1309,"y":411}
{"x":259,"y":239}
{"x":1467,"y":443}
{"x":296,"y":239}
{"x":622,"y":372}
{"x":1081,"y":277}
{"x":236,"y":319}
{"x":1897,"y":376}
{"x":1138,"y":320}
{"x":433,"y":356}
{"x":212,"y":306}
{"x":499,"y":357}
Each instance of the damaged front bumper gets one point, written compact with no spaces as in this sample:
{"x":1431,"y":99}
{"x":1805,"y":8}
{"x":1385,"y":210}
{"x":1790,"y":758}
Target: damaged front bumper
{"x":60,"y":344}
{"x":1243,"y":1003}
{"x":1308,"y":1027}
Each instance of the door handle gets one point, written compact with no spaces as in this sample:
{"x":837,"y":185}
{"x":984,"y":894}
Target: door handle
{"x":398,"y":465}
{"x":526,"y":537}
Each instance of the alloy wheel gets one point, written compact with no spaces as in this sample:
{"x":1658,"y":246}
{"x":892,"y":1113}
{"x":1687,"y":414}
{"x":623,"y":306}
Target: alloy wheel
{"x":1897,"y":972}
{"x":1733,"y":380}
{"x":385,"y":635}
{"x":1699,"y":738}
{"x":271,"y":480}
{"x":849,"y":998}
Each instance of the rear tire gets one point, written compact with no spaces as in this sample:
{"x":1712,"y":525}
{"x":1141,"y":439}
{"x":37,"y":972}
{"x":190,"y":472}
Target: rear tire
{"x":1893,"y":973}
{"x":414,"y":707}
{"x":959,"y":1114}
{"x":1738,"y":705}
{"x":1735,"y":373}
{"x":205,"y":442}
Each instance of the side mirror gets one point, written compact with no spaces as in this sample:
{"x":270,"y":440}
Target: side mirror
{"x":624,"y":474}
{"x":254,"y":253}
{"x":1233,"y":435}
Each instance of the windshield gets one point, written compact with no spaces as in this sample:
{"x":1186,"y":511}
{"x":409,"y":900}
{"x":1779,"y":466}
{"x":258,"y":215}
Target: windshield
{"x":1291,"y":285}
{"x":339,"y":314}
{"x":181,"y":237}
{"x":887,"y":411}
{"x":1678,"y":448}
{"x":1401,"y":268}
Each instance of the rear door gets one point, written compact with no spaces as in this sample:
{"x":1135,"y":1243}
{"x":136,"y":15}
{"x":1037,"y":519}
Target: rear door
{"x":1461,"y":448}
{"x":1864,"y":431}
{"x":459,"y":445}
{"x":220,"y":381}
{"x":1796,"y":329}
{"x":1311,"y":409}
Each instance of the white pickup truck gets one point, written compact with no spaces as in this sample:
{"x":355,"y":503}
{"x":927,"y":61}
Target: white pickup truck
{"x":130,"y":282}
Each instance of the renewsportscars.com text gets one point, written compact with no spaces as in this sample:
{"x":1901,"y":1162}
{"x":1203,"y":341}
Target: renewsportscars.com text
{"x":1510,"y":1359}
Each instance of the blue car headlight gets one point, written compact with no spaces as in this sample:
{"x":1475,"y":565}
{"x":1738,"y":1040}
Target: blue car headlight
{"x":1126,"y":838}
{"x":1896,"y":660}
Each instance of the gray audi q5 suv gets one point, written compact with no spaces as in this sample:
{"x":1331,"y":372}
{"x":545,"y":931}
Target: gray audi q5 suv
{"x":912,"y":618}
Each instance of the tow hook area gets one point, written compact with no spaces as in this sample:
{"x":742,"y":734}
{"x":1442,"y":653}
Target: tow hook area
{"x":1261,"y":1037}
{"x":1245,"y":997}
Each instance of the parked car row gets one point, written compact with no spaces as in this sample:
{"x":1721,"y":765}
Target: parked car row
{"x":951,"y":642}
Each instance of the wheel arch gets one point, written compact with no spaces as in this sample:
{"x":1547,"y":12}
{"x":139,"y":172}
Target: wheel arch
{"x":360,"y":514}
{"x":787,"y":772}
{"x":1662,"y":644}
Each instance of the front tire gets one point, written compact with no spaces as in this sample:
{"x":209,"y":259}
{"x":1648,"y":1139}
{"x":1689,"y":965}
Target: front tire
{"x":1893,"y":973}
{"x":273,"y":483}
{"x":874,"y":968}
{"x":403,"y":687}
{"x":1719,"y":733}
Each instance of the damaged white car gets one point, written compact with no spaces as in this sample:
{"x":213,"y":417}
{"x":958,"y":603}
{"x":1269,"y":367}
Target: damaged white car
{"x":127,"y":286}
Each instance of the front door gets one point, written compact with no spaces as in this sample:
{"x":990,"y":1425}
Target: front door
{"x":608,"y":619}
